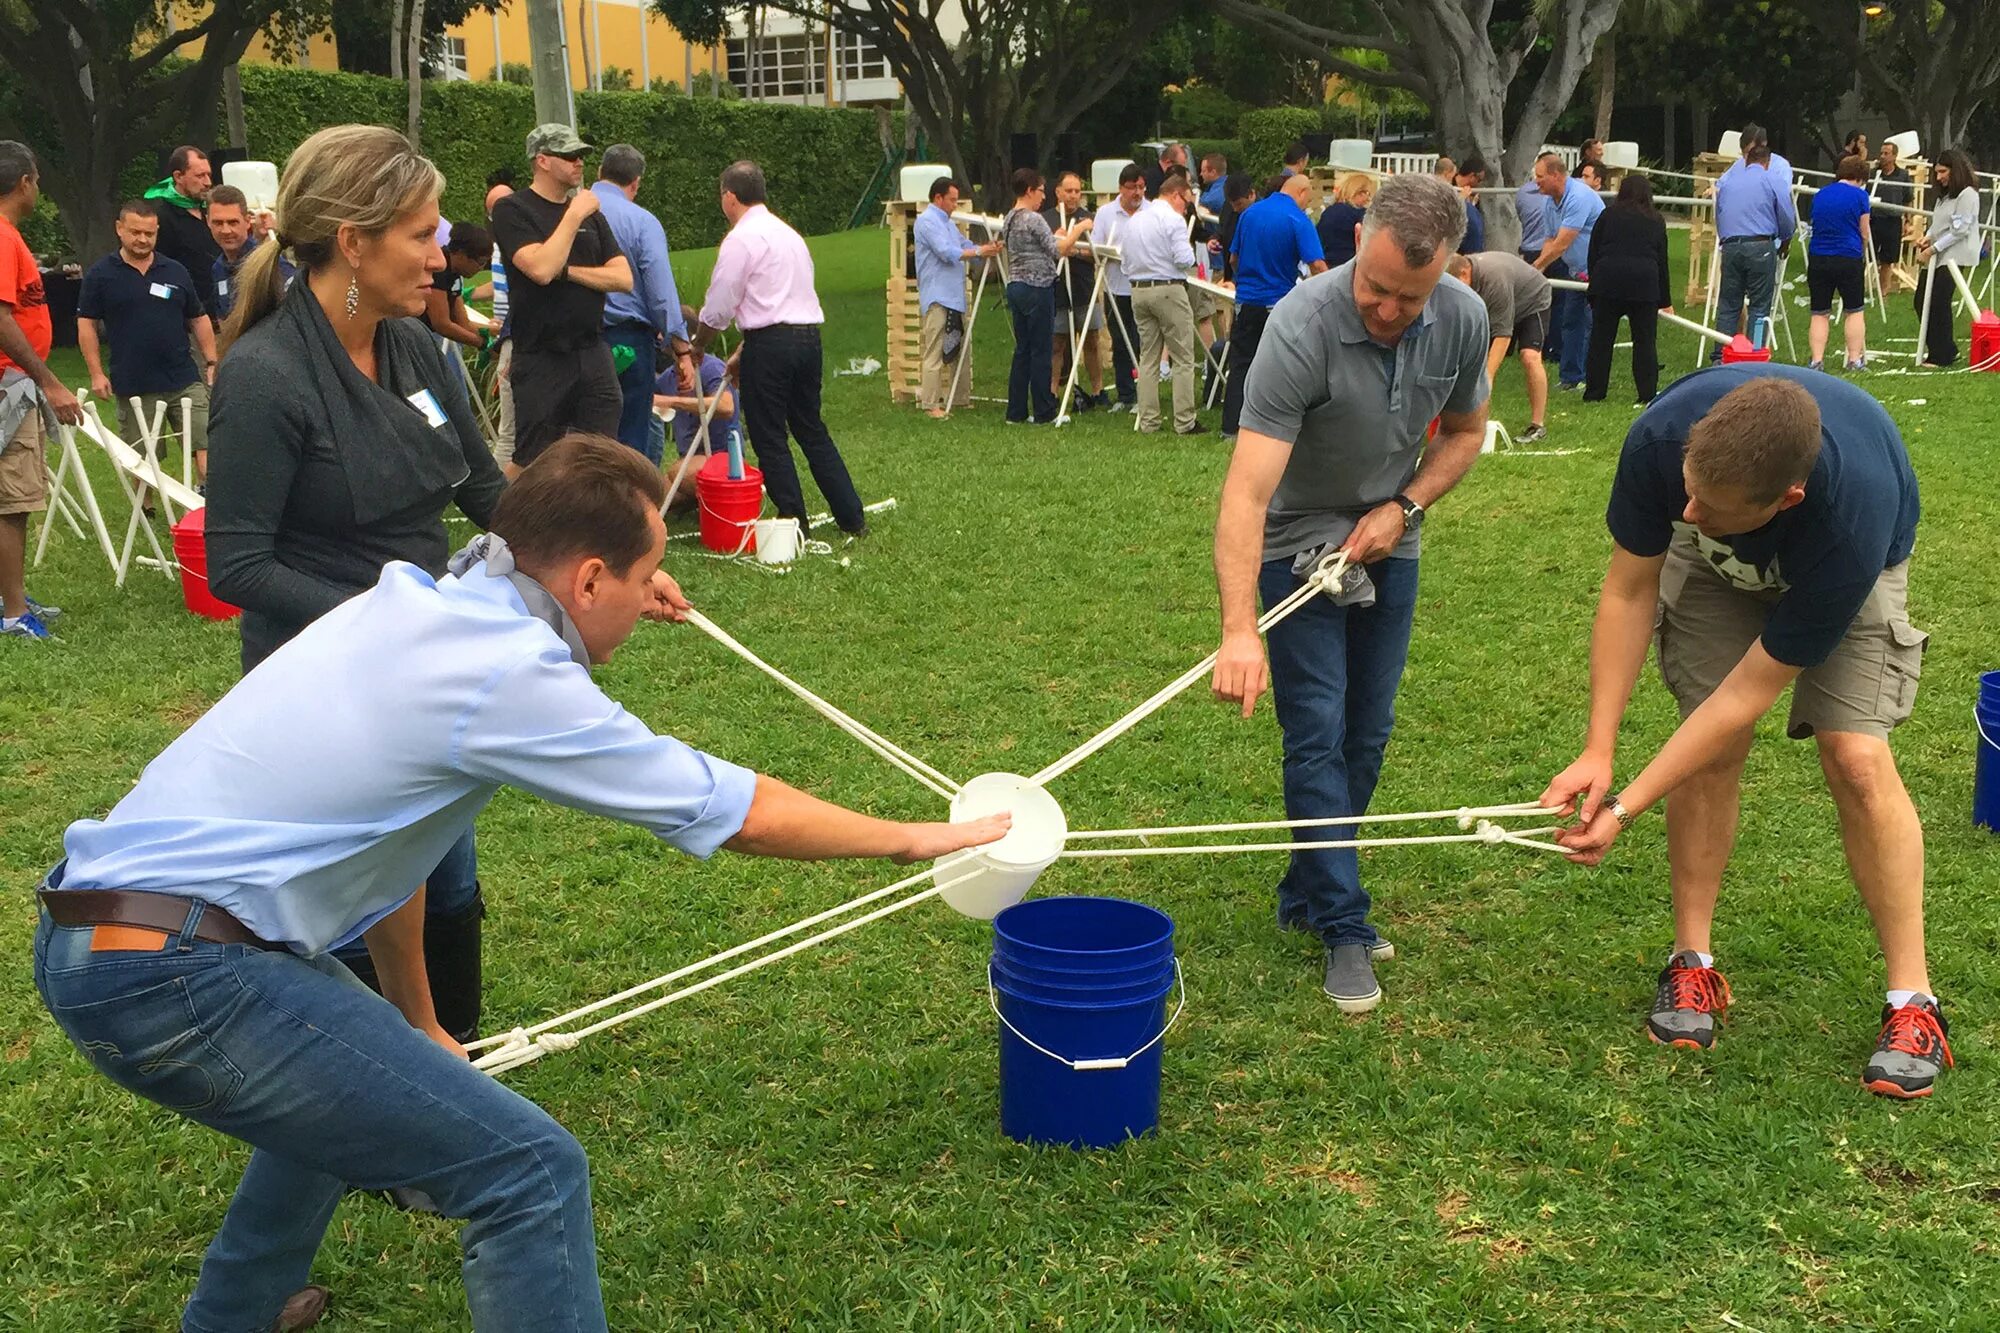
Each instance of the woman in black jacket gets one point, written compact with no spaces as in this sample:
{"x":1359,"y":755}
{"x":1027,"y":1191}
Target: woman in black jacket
{"x":337,"y":440}
{"x":1628,"y":280}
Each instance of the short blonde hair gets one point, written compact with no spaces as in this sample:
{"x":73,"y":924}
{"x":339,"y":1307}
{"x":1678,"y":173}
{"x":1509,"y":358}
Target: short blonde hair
{"x":1761,"y":438}
{"x":1354,"y":187}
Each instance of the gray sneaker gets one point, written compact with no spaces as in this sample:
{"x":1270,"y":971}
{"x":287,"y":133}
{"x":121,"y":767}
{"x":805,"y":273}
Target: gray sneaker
{"x":1911,"y":1053}
{"x":1536,"y":431}
{"x":1687,"y":1004}
{"x":1350,"y":979}
{"x":1379,"y":951}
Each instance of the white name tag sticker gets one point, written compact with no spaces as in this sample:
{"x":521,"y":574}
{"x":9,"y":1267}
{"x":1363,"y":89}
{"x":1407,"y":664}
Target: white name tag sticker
{"x":425,"y":402}
{"x":161,"y":290}
{"x":222,"y":288}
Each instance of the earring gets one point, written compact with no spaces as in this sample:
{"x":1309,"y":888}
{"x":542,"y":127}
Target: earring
{"x":354,"y":294}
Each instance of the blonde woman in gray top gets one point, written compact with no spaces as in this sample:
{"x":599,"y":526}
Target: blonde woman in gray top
{"x":1032,"y":253}
{"x":1953,"y":238}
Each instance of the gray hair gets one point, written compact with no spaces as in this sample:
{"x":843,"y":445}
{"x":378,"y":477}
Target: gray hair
{"x":1421,"y":212}
{"x":17,"y":163}
{"x":622,"y":164}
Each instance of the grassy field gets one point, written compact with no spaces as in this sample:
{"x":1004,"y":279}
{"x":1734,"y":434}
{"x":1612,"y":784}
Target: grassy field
{"x":817,"y":1146}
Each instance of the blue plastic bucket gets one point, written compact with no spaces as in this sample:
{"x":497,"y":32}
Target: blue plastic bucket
{"x":1080,"y":986}
{"x":1986,"y":767}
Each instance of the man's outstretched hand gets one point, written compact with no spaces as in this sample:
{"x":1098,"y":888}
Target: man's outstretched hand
{"x":930,"y":841}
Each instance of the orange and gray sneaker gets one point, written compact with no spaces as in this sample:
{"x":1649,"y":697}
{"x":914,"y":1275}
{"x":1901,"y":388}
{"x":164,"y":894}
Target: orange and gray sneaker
{"x":1911,"y":1052}
{"x":1690,"y":1001}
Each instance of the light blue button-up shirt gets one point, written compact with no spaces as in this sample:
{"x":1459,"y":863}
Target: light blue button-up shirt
{"x":654,"y":300}
{"x":312,"y":800}
{"x":1756,"y":201}
{"x":941,"y":254}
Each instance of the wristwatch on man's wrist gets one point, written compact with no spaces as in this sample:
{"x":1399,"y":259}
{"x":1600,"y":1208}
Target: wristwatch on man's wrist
{"x":1621,"y":814}
{"x":1413,"y":513}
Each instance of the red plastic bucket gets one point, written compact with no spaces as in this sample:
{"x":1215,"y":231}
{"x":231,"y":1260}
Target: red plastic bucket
{"x":191,"y":551}
{"x":1985,"y":341}
{"x":729,"y":509}
{"x":1739,"y":349}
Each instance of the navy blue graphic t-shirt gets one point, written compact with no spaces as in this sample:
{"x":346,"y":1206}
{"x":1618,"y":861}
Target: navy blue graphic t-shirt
{"x":1823,"y":555}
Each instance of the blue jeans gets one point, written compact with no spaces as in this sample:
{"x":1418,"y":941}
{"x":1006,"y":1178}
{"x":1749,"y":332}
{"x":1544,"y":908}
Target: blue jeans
{"x":331,"y":1088}
{"x":1334,"y":672}
{"x":1749,"y":273}
{"x":1034,"y":312}
{"x":1570,"y":319}
{"x":636,"y":385}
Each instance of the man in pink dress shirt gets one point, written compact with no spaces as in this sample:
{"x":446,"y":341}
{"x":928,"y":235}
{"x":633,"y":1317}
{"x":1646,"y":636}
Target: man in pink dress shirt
{"x":763,"y":280}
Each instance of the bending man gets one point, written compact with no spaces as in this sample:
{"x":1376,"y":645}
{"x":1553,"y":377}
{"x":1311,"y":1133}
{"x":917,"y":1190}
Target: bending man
{"x":185,"y":943}
{"x":1765,"y":516}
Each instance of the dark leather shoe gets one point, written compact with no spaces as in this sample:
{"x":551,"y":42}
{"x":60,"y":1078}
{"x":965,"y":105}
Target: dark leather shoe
{"x":1193,"y":430}
{"x":303,"y":1309}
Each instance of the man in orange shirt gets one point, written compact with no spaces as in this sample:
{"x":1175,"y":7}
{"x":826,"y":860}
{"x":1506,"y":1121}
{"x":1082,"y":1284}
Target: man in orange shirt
{"x":28,"y":391}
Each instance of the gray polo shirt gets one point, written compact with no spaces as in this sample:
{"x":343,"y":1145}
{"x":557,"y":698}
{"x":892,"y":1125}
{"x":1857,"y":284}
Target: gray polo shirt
{"x":1355,"y":412}
{"x":1513,"y":290}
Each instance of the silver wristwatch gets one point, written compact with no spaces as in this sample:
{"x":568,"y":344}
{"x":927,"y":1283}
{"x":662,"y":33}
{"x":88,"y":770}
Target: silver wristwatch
{"x":1621,"y":814}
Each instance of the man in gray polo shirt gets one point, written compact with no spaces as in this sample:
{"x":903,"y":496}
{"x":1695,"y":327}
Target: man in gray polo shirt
{"x":1353,"y":367}
{"x":1518,"y":299}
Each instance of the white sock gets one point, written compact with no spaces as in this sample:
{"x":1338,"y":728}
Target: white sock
{"x":1701,"y":959}
{"x":1899,"y":998}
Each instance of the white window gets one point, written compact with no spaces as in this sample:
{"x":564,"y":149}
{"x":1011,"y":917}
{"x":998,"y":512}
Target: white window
{"x":858,"y":58}
{"x":455,"y":66}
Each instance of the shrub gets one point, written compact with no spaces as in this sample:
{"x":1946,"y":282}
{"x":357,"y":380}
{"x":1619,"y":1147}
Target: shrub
{"x":1267,"y":133}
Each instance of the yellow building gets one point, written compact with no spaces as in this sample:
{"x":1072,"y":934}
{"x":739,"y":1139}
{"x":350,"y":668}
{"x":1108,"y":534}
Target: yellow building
{"x":600,"y":34}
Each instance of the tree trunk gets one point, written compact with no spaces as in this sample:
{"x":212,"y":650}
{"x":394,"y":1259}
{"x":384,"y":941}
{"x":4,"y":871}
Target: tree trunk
{"x":397,"y":11}
{"x":1605,"y":75}
{"x":1669,"y":114}
{"x":550,"y":64}
{"x":1698,"y":110}
{"x":232,"y":106}
{"x":583,"y":35}
{"x":414,"y":62}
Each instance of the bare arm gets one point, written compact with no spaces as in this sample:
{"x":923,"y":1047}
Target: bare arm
{"x":86,"y":343}
{"x":1556,"y":247}
{"x":1495,"y":354}
{"x":1316,"y":267}
{"x":396,"y":947}
{"x":1618,"y":639}
{"x":542,"y":262}
{"x":614,"y":276}
{"x":1446,"y":460}
{"x":446,"y":314}
{"x":785,"y":822}
{"x":15,"y":346}
{"x":203,"y":330}
{"x":1254,"y":472}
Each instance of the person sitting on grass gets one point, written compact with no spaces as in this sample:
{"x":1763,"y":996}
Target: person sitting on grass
{"x":185,"y":942}
{"x":1763,"y":517}
{"x":686,"y":408}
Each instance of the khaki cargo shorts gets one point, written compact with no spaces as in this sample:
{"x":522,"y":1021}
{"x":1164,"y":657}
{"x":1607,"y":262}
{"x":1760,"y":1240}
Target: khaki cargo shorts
{"x":24,"y":478}
{"x":1706,"y":624}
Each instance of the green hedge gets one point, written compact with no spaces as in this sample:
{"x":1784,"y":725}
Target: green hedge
{"x":1267,"y":133}
{"x":818,"y":161}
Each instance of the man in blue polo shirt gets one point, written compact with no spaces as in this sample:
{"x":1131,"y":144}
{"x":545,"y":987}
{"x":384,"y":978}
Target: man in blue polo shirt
{"x":1574,"y":206}
{"x":641,"y":320}
{"x":1273,"y":238}
{"x":1763,"y":518}
{"x":145,"y":307}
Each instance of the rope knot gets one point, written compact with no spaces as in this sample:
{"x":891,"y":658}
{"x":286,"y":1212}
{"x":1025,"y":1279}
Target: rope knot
{"x":1464,"y":817}
{"x":558,"y":1041}
{"x":1491,"y":833}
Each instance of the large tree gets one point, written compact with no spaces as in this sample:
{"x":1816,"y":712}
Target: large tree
{"x":98,"y":84}
{"x":1460,"y":56}
{"x":1021,"y":66}
{"x":1931,"y":63}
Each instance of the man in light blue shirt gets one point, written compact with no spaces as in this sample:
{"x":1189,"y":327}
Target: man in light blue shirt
{"x":942,"y":254}
{"x":639,"y":319}
{"x":1574,"y":206}
{"x":1533,"y":208}
{"x":184,"y":942}
{"x":1756,"y":219}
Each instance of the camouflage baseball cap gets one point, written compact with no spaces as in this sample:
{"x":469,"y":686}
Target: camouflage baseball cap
{"x":556,"y":139}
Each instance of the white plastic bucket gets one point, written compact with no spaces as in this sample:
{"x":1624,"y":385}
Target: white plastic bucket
{"x":257,"y":180}
{"x":1104,"y":174}
{"x":1350,"y":154}
{"x":1908,"y":144}
{"x":777,"y":541}
{"x":1731,"y":144}
{"x":1621,"y":153}
{"x":915,"y":185}
{"x":1003,"y":871}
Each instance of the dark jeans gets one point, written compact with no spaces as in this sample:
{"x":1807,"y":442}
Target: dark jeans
{"x":331,"y":1088}
{"x":781,"y":390}
{"x":1749,"y":273}
{"x":1244,"y":334}
{"x":1570,"y":322}
{"x":1124,"y":327}
{"x":1940,"y":348}
{"x":1334,"y":672}
{"x":1034,"y":313}
{"x":558,"y":392}
{"x":636,"y":387}
{"x":1645,"y":318}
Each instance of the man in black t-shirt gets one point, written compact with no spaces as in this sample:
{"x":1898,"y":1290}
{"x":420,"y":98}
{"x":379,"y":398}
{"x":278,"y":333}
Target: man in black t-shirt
{"x":1763,"y":518}
{"x":561,"y":260}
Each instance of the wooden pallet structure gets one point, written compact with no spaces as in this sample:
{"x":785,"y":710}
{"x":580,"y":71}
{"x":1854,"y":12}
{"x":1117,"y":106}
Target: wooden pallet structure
{"x":905,"y":325}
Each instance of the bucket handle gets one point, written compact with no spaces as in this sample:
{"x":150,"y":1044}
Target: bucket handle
{"x":1083,"y":1066}
{"x":1980,"y":727}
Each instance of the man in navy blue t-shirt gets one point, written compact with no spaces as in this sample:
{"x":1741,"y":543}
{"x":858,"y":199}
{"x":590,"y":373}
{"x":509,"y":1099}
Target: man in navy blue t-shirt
{"x":1763,"y":517}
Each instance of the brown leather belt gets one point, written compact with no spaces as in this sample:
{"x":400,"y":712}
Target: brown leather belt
{"x":149,"y":911}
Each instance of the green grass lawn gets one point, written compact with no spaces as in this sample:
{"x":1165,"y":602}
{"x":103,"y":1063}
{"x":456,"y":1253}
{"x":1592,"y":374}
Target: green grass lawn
{"x":817,"y":1146}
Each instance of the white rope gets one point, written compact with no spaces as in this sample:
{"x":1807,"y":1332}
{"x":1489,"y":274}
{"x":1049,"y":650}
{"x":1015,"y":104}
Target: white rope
{"x":1465,"y":815}
{"x":895,"y":754}
{"x":511,"y":1055}
{"x":1328,"y":574}
{"x":1486,"y":832}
